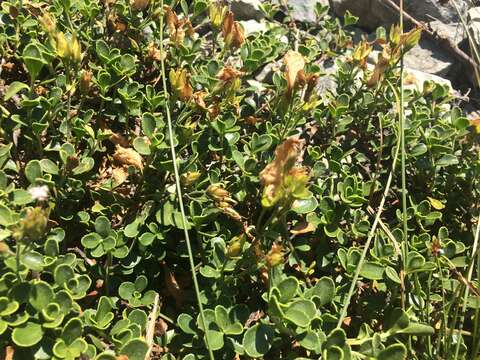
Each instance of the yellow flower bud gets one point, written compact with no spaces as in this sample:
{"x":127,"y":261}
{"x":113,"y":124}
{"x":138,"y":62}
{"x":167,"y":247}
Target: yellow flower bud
{"x":61,"y":45}
{"x":75,"y":50}
{"x":180,"y":84}
{"x":217,"y":193}
{"x":236,"y":245}
{"x":216,"y":14}
{"x":190,"y":177}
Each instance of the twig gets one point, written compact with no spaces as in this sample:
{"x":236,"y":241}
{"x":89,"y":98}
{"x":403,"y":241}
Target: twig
{"x":444,"y":42}
{"x":152,"y":318}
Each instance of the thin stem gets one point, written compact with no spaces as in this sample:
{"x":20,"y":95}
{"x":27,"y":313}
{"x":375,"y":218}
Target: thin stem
{"x":108,"y":265}
{"x":179,"y":188}
{"x":353,"y":284}
{"x":467,"y":288}
{"x":17,"y":258}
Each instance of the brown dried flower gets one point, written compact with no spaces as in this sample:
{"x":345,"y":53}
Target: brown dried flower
{"x":128,"y":156}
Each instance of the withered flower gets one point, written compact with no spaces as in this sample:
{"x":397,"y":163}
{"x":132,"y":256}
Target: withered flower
{"x":139,"y":5}
{"x":179,"y":79}
{"x":128,"y":156}
{"x":381,"y":66}
{"x":154,"y":53}
{"x":294,"y":70}
{"x":229,"y":74}
{"x":176,"y":26}
{"x":85,"y":81}
{"x":232,"y":32}
{"x":199,"y":99}
{"x":230,"y":80}
{"x":48,"y":22}
{"x":119,"y":175}
{"x":281,"y":178}
{"x":275,"y":256}
{"x":33,"y":226}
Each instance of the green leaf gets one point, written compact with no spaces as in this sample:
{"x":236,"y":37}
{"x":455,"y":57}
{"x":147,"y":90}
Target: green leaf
{"x":221,"y":317}
{"x":33,"y":171}
{"x":304,"y":206}
{"x":257,"y":340}
{"x":186,"y":323}
{"x":324,"y":290}
{"x":14,"y":88}
{"x":27,"y":334}
{"x":142,"y":145}
{"x":260,"y":143}
{"x":288,"y":288}
{"x":6,"y":216}
{"x":72,"y":330}
{"x":103,"y":226}
{"x":310,"y":341}
{"x":447,"y":160}
{"x":34,"y":62}
{"x":392,"y":274}
{"x":21,"y":197}
{"x":372,"y":271}
{"x":135,"y":349}
{"x":126,"y":290}
{"x":32,"y":260}
{"x":63,"y":273}
{"x":393,"y":352}
{"x":215,"y":339}
{"x":40,"y":295}
{"x":301,"y":312}
{"x":49,"y":166}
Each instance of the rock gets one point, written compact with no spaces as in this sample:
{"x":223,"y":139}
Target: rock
{"x":371,"y":13}
{"x":428,"y":10}
{"x":454,"y":31}
{"x":375,"y":13}
{"x":326,"y":82}
{"x":247,"y":9}
{"x":426,"y":57}
{"x":252,"y":26}
{"x":474,"y":23}
{"x":416,"y":79}
{"x":304,"y":10}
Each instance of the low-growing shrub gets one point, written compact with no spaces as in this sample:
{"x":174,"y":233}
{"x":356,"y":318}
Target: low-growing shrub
{"x":285,"y":141}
